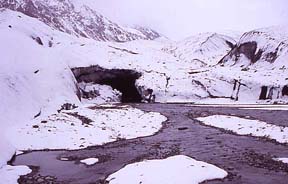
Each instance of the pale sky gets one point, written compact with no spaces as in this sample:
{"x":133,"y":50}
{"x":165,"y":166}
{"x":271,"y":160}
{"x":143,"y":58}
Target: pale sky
{"x":178,"y":19}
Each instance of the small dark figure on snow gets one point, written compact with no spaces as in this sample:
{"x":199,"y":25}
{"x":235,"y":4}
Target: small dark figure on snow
{"x":148,"y":96}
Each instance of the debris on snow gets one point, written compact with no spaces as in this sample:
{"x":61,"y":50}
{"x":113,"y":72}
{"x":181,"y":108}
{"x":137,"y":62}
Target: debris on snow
{"x":105,"y":125}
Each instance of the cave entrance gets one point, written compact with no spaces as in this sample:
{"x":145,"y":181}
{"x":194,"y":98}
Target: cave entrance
{"x":125,"y":83}
{"x":121,"y":79}
{"x":285,"y":91}
{"x":263,"y":94}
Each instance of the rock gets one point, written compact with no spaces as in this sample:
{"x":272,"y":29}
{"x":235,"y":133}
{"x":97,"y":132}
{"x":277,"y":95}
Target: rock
{"x":40,"y":180}
{"x":183,"y":128}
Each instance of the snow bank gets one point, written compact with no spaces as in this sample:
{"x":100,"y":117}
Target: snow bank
{"x":241,"y":106}
{"x":30,"y":82}
{"x":33,"y":80}
{"x":243,"y":126}
{"x":10,"y":174}
{"x":90,"y":161}
{"x":284,"y":160}
{"x":83,"y":127}
{"x":101,"y":93}
{"x":283,"y":108}
{"x":173,"y":170}
{"x":6,"y":150}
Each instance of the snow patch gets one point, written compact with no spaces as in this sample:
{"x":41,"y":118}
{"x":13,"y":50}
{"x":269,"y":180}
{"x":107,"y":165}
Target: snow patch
{"x":242,"y":106}
{"x":285,"y":108}
{"x":90,"y":161}
{"x":64,"y":159}
{"x":10,"y":174}
{"x":7,"y":150}
{"x":85,"y":126}
{"x":173,"y":170}
{"x":284,"y":160}
{"x":243,"y":126}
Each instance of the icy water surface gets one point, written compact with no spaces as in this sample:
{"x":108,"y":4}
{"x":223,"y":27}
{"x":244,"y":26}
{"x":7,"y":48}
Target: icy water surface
{"x":246,"y":159}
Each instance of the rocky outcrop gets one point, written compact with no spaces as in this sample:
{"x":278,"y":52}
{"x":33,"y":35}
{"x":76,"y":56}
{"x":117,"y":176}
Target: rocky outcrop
{"x":149,"y":33}
{"x":259,"y":46}
{"x":84,"y":22}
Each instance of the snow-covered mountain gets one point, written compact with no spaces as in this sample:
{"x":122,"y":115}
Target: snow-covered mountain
{"x":259,"y":61}
{"x":81,"y":21}
{"x":202,"y":49}
{"x":266,"y":47}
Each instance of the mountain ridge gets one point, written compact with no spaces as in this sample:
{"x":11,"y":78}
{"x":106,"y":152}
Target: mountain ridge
{"x":84,"y":22}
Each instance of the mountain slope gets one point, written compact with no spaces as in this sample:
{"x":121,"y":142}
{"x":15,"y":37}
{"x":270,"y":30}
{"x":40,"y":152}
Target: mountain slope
{"x":83,"y":21}
{"x":33,"y":78}
{"x":203,"y":49}
{"x":171,"y":77}
{"x":267,"y":47}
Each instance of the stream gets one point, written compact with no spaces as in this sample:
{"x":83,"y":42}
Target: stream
{"x":247,"y":159}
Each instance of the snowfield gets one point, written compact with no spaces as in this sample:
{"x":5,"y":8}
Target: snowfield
{"x":242,"y":126}
{"x":169,"y":74}
{"x":176,"y":169}
{"x":83,"y":127}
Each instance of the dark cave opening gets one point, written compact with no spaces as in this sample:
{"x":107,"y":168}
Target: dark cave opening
{"x":121,"y":79}
{"x":263,"y":94}
{"x":285,"y":91}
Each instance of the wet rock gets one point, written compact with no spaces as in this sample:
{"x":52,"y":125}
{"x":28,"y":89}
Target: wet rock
{"x":85,"y":121}
{"x":247,"y":48}
{"x":50,"y":43}
{"x":38,"y":40}
{"x":183,"y":128}
{"x":38,"y":114}
{"x":67,"y":106}
{"x":148,"y":96}
{"x":40,"y":180}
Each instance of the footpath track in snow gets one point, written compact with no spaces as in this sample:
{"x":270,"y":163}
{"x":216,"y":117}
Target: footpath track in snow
{"x":247,"y":159}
